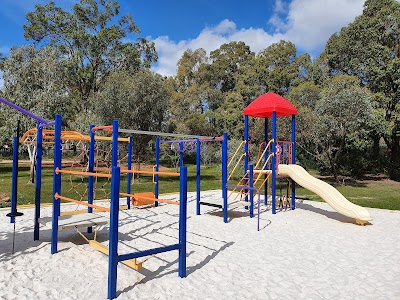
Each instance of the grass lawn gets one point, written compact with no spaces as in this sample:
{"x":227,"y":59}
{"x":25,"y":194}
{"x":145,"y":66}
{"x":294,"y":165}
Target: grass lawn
{"x":378,"y":193}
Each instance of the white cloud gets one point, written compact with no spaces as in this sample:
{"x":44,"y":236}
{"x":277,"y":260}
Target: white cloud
{"x":307,"y":23}
{"x":312,"y":22}
{"x":211,"y":38}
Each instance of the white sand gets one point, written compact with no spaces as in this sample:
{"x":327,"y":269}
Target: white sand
{"x":309,"y":253}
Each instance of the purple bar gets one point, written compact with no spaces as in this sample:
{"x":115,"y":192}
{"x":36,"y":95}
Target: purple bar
{"x":47,"y":124}
{"x":20,"y":109}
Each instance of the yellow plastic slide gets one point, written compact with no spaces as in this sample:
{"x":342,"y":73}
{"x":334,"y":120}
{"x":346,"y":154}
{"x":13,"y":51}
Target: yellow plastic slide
{"x":327,"y":192}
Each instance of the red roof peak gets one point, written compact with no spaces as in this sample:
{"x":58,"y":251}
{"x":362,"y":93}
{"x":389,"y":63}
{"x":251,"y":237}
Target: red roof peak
{"x":263,"y":106}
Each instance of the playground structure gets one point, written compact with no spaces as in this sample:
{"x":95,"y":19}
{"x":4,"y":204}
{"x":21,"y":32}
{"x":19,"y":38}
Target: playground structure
{"x":275,"y":160}
{"x":278,"y":161}
{"x":90,"y":220}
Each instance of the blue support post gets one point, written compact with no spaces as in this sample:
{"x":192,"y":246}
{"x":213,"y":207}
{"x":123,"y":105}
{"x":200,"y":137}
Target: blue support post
{"x":180,"y":154}
{"x":114,"y":211}
{"x":182,"y":222}
{"x":274,"y":166}
{"x":246,"y":153}
{"x":56,"y":183}
{"x":251,"y":179}
{"x":91,"y":169}
{"x":38,"y":187}
{"x":14,"y":178}
{"x":225,"y":175}
{"x":198,"y":164}
{"x":265,"y":159}
{"x":293,"y":159}
{"x":113,"y":238}
{"x":156,"y":177}
{"x":129,"y":175}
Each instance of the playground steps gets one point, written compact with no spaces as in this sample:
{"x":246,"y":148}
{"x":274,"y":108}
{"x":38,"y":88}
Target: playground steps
{"x":132,"y":263}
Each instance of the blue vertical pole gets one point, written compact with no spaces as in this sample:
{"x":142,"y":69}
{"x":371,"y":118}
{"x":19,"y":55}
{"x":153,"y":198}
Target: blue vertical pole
{"x":293,"y":159}
{"x":265,"y":159}
{"x":251,"y":178}
{"x":91,"y":169}
{"x":180,"y":154}
{"x":156,"y":177}
{"x":113,"y":239}
{"x":182,"y":222}
{"x":38,"y":188}
{"x":198,"y":164}
{"x":273,"y":183}
{"x":14,"y":178}
{"x":225,"y":175}
{"x":246,"y":150}
{"x":56,"y":183}
{"x":114,"y":210}
{"x":129,"y":175}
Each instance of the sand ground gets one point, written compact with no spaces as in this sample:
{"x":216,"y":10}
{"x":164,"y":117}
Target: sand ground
{"x":309,"y":253}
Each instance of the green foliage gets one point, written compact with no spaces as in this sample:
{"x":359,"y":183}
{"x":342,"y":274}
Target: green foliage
{"x":138,"y":102}
{"x":34,"y":80}
{"x":281,"y":69}
{"x":345,"y":121}
{"x":370,"y":48}
{"x":90,"y":38}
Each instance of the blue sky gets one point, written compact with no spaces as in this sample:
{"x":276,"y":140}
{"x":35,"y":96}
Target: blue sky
{"x":178,"y":25}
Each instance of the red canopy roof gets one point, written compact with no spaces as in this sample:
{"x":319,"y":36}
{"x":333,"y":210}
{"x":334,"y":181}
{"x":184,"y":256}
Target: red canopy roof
{"x":263,"y":106}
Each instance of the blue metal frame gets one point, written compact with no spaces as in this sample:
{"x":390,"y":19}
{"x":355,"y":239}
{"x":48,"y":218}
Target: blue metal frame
{"x":225,"y":176}
{"x":91,"y":169}
{"x":181,"y":154}
{"x":56,"y":183}
{"x":182,"y":222}
{"x":129,"y":175}
{"x":246,"y":153}
{"x":14,"y":178}
{"x":114,"y":211}
{"x":198,"y":175}
{"x":266,"y":154}
{"x":274,"y":166}
{"x":38,"y":187}
{"x":156,"y":177}
{"x":293,"y":159}
{"x":251,"y":179}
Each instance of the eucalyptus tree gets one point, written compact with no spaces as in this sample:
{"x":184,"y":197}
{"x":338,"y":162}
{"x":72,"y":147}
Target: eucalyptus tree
{"x":34,"y":80}
{"x":280,"y":68}
{"x":138,"y":102}
{"x":369,"y":48}
{"x":93,"y":41}
{"x":344,"y":121}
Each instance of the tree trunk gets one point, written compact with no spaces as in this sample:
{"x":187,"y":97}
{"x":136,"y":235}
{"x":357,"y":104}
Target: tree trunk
{"x":32,"y":172}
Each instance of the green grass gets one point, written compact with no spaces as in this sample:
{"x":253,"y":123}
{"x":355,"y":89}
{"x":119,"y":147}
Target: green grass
{"x":379,"y":194}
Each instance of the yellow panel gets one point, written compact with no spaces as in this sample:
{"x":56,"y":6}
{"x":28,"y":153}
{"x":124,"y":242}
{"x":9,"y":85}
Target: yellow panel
{"x":132,"y":263}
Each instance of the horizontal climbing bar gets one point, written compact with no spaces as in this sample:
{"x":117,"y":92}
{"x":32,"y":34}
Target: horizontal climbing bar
{"x":209,"y":139}
{"x":24,"y":111}
{"x":150,"y":172}
{"x":148,"y":252}
{"x":96,"y":128}
{"x":149,"y":198}
{"x":156,"y":133}
{"x":100,"y":208}
{"x":58,"y":171}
